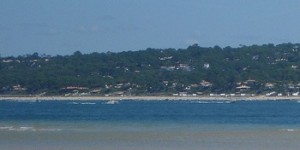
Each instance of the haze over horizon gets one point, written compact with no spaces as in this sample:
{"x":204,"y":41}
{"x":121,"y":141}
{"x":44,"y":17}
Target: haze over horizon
{"x":63,"y":27}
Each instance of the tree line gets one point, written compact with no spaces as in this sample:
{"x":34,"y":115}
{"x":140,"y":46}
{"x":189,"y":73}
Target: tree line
{"x":156,"y":71}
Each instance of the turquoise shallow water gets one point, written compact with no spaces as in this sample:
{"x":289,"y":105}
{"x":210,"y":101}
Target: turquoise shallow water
{"x":149,"y":125}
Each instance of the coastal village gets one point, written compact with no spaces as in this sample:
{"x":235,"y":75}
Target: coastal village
{"x":165,"y":63}
{"x":242,"y":90}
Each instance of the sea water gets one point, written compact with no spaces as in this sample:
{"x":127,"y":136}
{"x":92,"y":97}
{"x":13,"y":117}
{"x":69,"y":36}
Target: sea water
{"x":130,"y":125}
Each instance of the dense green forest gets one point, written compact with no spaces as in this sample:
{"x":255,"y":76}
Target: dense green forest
{"x":256,"y":69}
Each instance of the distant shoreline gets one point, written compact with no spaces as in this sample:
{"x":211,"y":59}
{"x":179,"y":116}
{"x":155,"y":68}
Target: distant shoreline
{"x":107,"y":98}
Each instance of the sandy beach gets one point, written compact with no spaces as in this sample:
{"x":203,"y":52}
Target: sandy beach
{"x":257,"y":98}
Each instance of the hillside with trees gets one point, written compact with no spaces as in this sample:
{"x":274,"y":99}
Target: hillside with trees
{"x":257,"y":69}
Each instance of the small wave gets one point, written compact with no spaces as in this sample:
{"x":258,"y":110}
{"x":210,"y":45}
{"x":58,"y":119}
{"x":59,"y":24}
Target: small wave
{"x":12,"y":128}
{"x":73,"y":103}
{"x":25,"y":129}
{"x":289,"y":130}
{"x":223,"y":102}
{"x":6,"y":128}
{"x":49,"y":130}
{"x":87,"y":103}
{"x":111,"y":102}
{"x":201,"y":102}
{"x":212,"y":102}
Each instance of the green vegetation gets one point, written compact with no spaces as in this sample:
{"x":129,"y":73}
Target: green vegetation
{"x":264,"y":69}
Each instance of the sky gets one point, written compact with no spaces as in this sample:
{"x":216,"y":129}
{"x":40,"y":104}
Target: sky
{"x":65,"y":26}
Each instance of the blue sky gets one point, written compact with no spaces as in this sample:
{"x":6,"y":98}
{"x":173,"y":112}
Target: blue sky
{"x":64,"y":26}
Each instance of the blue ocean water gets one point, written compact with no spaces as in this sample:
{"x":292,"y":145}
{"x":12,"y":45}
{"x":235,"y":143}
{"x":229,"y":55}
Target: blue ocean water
{"x":200,"y":112}
{"x":147,"y":125}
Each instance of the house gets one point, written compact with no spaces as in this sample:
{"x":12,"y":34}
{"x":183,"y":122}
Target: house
{"x":182,"y":93}
{"x":243,"y":95}
{"x":243,"y":87}
{"x":255,"y":57}
{"x":184,"y":67}
{"x":250,"y":82}
{"x":291,"y":86}
{"x":166,"y":83}
{"x":7,"y":60}
{"x":295,"y":94}
{"x":271,"y":93}
{"x":168,"y":68}
{"x":294,"y":67}
{"x":18,"y":88}
{"x":206,"y":65}
{"x":96,"y":91}
{"x":232,"y":94}
{"x":118,"y":86}
{"x":194,"y":85}
{"x":175,"y":94}
{"x":205,"y":83}
{"x":269,"y":85}
{"x":165,"y":58}
{"x":119,"y":93}
{"x":199,"y":93}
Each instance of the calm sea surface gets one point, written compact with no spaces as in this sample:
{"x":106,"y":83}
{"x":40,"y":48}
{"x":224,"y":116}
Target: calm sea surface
{"x":129,"y":125}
